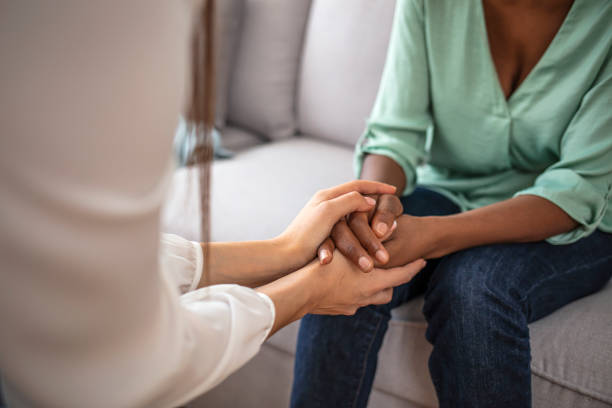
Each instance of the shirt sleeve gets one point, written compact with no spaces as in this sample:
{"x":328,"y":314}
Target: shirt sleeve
{"x":580,"y":183}
{"x":248,"y":315}
{"x":400,"y":125}
{"x":182,"y":260}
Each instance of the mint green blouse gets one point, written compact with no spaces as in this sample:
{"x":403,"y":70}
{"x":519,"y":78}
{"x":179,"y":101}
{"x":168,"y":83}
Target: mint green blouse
{"x":442,"y":116}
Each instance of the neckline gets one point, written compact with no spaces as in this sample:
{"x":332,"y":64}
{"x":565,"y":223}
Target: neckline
{"x":536,"y":68}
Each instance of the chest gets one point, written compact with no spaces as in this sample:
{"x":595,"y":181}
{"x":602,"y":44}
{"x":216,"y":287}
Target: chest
{"x":519,"y":35}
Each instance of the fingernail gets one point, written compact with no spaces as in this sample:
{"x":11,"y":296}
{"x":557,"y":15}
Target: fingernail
{"x":364,"y":263}
{"x":382,"y":256}
{"x":381,"y":228}
{"x":370,"y":200}
{"x":394,"y":226}
{"x":324,"y":254}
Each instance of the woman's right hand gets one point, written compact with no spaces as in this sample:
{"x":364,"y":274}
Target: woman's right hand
{"x":338,"y":288}
{"x":361,"y":235}
{"x":342,"y":288}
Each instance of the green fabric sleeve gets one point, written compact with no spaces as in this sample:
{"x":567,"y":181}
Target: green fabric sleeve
{"x":400,"y":122}
{"x":580,"y":183}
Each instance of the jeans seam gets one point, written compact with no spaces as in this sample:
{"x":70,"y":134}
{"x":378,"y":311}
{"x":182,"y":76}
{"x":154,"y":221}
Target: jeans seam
{"x":365,"y":362}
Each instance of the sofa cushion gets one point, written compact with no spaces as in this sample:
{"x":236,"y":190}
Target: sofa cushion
{"x":227,"y":32}
{"x":256,"y":194}
{"x":262,"y":89}
{"x":344,"y":52}
{"x":237,"y":139}
{"x":572,"y":350}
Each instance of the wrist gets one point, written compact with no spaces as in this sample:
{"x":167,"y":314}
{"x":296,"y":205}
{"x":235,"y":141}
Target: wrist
{"x":444,"y":235}
{"x":285,"y":251}
{"x":437,"y":237}
{"x":289,"y":253}
{"x":313,"y":283}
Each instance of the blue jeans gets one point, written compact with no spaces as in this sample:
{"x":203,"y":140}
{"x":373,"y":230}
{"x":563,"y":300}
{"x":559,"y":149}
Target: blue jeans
{"x":478,"y":303}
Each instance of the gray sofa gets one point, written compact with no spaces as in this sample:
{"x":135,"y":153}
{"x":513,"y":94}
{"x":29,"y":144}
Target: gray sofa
{"x":298,"y":79}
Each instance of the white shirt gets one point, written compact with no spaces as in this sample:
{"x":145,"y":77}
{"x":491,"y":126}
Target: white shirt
{"x":90,"y":307}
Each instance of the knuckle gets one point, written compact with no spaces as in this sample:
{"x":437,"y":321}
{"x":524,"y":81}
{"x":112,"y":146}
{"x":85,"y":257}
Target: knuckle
{"x":350,"y":250}
{"x":324,"y":207}
{"x":340,"y":231}
{"x":355,"y":221}
{"x":322,"y":194}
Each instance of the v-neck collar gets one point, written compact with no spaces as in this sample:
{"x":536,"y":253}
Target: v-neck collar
{"x":550,"y":50}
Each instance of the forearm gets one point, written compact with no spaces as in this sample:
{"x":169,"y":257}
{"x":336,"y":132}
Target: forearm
{"x":525,"y":218}
{"x":383,"y":169}
{"x":249,"y":264}
{"x":292,"y":295}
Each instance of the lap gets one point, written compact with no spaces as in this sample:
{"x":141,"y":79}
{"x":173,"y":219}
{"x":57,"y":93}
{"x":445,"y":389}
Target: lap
{"x":541,"y":276}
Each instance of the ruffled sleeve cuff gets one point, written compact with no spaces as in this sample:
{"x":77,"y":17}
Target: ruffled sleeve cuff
{"x":181,"y":261}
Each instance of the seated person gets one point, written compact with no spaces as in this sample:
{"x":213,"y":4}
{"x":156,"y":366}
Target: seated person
{"x":508,"y":103}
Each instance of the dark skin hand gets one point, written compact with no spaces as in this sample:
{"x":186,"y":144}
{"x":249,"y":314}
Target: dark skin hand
{"x":525,"y":218}
{"x":360,"y":237}
{"x":519,"y":32}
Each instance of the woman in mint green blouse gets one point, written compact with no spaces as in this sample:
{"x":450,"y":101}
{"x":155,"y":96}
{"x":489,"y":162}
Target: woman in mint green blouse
{"x":494,"y":121}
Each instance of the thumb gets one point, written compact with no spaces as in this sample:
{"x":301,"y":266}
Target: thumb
{"x":402,"y":274}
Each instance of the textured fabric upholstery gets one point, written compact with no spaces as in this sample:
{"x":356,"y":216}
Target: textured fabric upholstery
{"x":572,"y":350}
{"x":344,"y":52}
{"x":228,"y":19}
{"x":256,"y":194}
{"x":262,"y":90}
{"x":237,"y":139}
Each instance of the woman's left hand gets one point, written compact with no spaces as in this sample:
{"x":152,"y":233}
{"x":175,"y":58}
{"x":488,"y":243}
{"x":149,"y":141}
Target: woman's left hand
{"x":414,"y":238}
{"x":315,"y":221}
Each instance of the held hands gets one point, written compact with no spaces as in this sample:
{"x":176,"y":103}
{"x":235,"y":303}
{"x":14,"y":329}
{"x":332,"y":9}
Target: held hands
{"x":361,"y":235}
{"x":342,"y":287}
{"x":315,"y":221}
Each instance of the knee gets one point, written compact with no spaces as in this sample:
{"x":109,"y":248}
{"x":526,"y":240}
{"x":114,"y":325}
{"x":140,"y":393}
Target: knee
{"x":471,"y":290}
{"x":454,"y":292}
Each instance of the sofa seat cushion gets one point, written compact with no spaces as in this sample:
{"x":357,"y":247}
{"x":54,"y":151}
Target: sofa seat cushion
{"x":256,"y":194}
{"x":237,"y":139}
{"x":572,"y":350}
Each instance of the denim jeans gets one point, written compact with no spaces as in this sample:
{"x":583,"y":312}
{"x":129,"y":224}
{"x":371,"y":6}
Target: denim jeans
{"x":478,"y":303}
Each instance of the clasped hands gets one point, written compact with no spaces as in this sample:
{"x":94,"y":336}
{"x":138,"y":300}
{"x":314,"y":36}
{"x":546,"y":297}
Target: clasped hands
{"x":362,"y":220}
{"x":380,"y":237}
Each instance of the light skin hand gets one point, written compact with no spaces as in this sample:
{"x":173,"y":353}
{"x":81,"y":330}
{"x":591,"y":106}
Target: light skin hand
{"x":317,"y":219}
{"x":336,"y":288}
{"x":361,"y":235}
{"x":362,"y":244}
{"x":258,"y":262}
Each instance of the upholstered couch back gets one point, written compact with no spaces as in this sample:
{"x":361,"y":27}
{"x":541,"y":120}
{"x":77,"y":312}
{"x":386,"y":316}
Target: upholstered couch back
{"x":301,"y":66}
